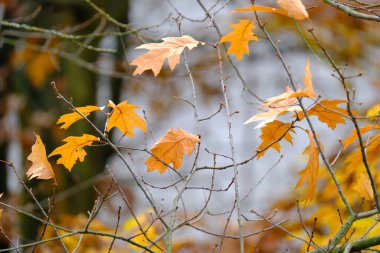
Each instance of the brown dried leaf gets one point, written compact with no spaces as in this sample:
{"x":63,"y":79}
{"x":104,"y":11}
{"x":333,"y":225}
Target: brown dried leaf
{"x":170,"y":49}
{"x":295,"y":9}
{"x":41,"y":168}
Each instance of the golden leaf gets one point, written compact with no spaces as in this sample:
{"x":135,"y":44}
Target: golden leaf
{"x":310,"y":173}
{"x":374,"y":112}
{"x":142,"y":221}
{"x":290,"y":8}
{"x":72,"y":150}
{"x":41,"y":168}
{"x":170,"y":49}
{"x":351,"y":139}
{"x":38,"y":65}
{"x":125,"y":119}
{"x":170,"y":149}
{"x":363,"y":187}
{"x":271,"y":134}
{"x":355,"y":159}
{"x":239,"y":38}
{"x":70,"y":118}
{"x":327,"y":112}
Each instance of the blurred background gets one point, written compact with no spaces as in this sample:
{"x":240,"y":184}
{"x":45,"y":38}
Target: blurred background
{"x":31,"y":60}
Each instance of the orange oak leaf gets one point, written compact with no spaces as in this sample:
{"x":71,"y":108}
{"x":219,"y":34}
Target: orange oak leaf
{"x":171,"y":149}
{"x":271,"y":135}
{"x":73,"y":150}
{"x":41,"y":168}
{"x":239,"y":38}
{"x":351,"y":139}
{"x":290,"y":8}
{"x":310,"y":173}
{"x":70,"y":118}
{"x":124,"y":118}
{"x":327,"y":112}
{"x":363,"y":187}
{"x":355,"y":159}
{"x":170,"y":49}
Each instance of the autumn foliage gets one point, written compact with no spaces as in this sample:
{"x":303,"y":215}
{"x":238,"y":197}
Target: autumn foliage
{"x":331,"y":206}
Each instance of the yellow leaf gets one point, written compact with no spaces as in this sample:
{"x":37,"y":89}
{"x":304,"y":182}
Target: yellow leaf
{"x":328,"y":112}
{"x":170,"y":149}
{"x":374,"y":111}
{"x":41,"y":168}
{"x":125,"y":119}
{"x":171,"y":49}
{"x":271,"y":134}
{"x":38,"y":65}
{"x":351,"y":139}
{"x":239,"y":38}
{"x":363,"y":187}
{"x":290,"y":8}
{"x":73,"y":150}
{"x":143,"y":222}
{"x":70,"y":118}
{"x":310,"y":173}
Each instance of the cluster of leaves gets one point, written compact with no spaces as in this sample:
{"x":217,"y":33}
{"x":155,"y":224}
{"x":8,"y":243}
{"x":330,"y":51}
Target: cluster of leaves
{"x":169,"y":151}
{"x":327,"y":111}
